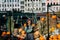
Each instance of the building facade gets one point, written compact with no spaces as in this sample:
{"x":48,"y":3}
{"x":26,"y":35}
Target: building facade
{"x":6,"y":5}
{"x":30,"y":6}
{"x":21,"y":5}
{"x":54,"y":8}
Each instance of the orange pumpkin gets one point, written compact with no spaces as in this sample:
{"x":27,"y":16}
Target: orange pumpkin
{"x":3,"y":33}
{"x":42,"y":19}
{"x":58,"y":25}
{"x":8,"y":33}
{"x":51,"y":36}
{"x":50,"y":39}
{"x":55,"y":37}
{"x":42,"y":38}
{"x":58,"y":39}
{"x":52,"y":29}
{"x":59,"y":36}
{"x":54,"y":17}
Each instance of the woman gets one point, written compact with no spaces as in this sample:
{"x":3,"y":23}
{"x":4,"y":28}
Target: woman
{"x":28,"y":29}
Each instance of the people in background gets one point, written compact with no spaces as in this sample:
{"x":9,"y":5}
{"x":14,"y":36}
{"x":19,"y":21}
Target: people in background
{"x":28,"y":29}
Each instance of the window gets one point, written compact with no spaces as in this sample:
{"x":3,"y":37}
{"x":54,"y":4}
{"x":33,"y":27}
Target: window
{"x":28,"y":9}
{"x":5,"y":9}
{"x":18,"y":0}
{"x":22,"y":6}
{"x":22,"y":10}
{"x":36,"y":0}
{"x":39,"y":0}
{"x":18,"y":9}
{"x":5,"y":5}
{"x":0,"y":5}
{"x":25,"y":0}
{"x":2,"y":9}
{"x":47,"y":0}
{"x":4,"y":0}
{"x":43,"y":9}
{"x":22,"y":2}
{"x":36,"y":4}
{"x":15,"y":0}
{"x":12,"y":0}
{"x":8,"y":0}
{"x":33,"y":0}
{"x":28,"y":4}
{"x":28,"y":0}
{"x":36,"y":8}
{"x":56,"y":8}
{"x":39,"y":8}
{"x":8,"y":5}
{"x":53,"y":8}
{"x":25,"y":4}
{"x":15,"y":9}
{"x":12,"y":5}
{"x":15,"y":5}
{"x":43,"y":4}
{"x":18,"y":5}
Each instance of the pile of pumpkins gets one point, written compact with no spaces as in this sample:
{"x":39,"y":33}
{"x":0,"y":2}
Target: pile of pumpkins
{"x":42,"y":38}
{"x":55,"y":37}
{"x":5,"y":33}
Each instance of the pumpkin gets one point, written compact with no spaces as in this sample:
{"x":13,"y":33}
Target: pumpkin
{"x":52,"y":29}
{"x":3,"y":33}
{"x":59,"y":36}
{"x":54,"y":17}
{"x":8,"y":33}
{"x":50,"y":39}
{"x":51,"y":36}
{"x":55,"y":37}
{"x":58,"y":39}
{"x":42,"y":19}
{"x":42,"y":38}
{"x":58,"y":25}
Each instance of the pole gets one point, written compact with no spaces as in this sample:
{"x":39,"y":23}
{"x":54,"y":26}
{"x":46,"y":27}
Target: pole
{"x":21,"y":20}
{"x":9,"y":22}
{"x":10,"y":26}
{"x":48,"y":21}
